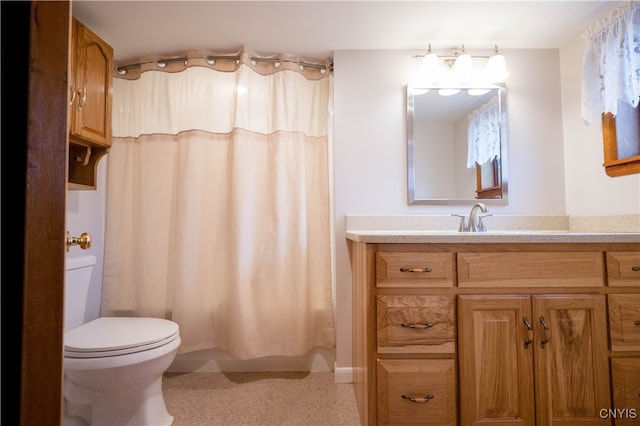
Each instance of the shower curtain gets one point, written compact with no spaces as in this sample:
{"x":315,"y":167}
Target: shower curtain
{"x":218,"y":213}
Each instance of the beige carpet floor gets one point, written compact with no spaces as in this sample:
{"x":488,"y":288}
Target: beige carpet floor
{"x":259,"y":398}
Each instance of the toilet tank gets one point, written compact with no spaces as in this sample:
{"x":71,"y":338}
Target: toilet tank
{"x":76,"y":281}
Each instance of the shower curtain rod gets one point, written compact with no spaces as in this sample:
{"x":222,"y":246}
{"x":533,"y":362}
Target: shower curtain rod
{"x":162,"y":62}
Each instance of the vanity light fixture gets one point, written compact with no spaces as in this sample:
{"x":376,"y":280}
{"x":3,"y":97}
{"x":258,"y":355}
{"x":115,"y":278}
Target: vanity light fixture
{"x":463,"y":66}
{"x":497,"y":67}
{"x":431,"y":63}
{"x":460,"y":67}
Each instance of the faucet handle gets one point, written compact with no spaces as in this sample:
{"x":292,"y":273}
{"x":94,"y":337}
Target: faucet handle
{"x":481,"y":227}
{"x":463,"y":225}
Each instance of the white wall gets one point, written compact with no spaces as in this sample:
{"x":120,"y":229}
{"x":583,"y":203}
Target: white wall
{"x":590,"y":191}
{"x":85,"y":213}
{"x":434,"y":140}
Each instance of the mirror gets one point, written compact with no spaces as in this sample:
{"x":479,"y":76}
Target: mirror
{"x":441,"y":125}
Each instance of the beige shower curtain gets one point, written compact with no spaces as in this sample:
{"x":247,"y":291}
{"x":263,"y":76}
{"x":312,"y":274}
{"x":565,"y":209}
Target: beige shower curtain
{"x":218,"y":202}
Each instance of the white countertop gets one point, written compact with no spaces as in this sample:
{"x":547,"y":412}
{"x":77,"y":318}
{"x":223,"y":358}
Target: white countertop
{"x":555,"y":236}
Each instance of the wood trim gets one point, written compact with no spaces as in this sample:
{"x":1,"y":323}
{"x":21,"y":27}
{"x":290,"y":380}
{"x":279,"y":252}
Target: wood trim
{"x":613,"y":165}
{"x":627,"y":166}
{"x":364,"y":329}
{"x":489,"y":192}
{"x":41,"y":368}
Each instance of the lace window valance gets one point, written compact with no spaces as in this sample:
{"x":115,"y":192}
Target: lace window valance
{"x":611,"y":68}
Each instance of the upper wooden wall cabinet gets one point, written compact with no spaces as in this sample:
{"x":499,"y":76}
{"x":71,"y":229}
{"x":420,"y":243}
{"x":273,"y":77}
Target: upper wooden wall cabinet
{"x":90,"y":93}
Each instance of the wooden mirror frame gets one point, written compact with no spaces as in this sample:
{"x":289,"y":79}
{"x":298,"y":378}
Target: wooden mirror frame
{"x":613,"y":165}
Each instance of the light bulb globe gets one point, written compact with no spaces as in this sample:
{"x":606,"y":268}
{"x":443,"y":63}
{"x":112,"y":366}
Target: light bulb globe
{"x":497,"y":68}
{"x":430,"y":66}
{"x":464,"y":67}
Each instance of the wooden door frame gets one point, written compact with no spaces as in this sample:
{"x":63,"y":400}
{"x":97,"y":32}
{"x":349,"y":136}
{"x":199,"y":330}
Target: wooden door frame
{"x":35,"y":62}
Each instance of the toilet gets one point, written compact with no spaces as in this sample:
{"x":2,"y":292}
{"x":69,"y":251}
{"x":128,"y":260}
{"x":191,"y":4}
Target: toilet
{"x":113,"y":366}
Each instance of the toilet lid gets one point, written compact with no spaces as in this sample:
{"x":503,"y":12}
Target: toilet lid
{"x":111,"y":336}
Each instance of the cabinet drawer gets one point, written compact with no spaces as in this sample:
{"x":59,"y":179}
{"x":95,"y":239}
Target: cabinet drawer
{"x":414,"y":269}
{"x":531,"y":269}
{"x":624,"y":322}
{"x":623,"y":268}
{"x":415,"y":323}
{"x":431,"y":383}
{"x":625,"y":377}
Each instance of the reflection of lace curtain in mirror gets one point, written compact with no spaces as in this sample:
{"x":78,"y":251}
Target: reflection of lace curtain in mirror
{"x":483,"y":133}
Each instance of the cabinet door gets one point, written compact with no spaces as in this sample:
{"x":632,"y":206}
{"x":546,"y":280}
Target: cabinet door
{"x":571,"y":365}
{"x":496,"y":360}
{"x":90,"y":104}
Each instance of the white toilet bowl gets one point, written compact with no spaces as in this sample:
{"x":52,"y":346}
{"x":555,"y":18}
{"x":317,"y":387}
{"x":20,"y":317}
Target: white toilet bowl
{"x":113,"y":369}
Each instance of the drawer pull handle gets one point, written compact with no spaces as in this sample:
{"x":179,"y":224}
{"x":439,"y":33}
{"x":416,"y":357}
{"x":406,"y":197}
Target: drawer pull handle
{"x":529,"y":327}
{"x":427,"y":325}
{"x":635,"y":268}
{"x":425,"y":269}
{"x":544,"y":341}
{"x":636,"y":322}
{"x":73,"y":94}
{"x":426,"y":398}
{"x":83,"y":100}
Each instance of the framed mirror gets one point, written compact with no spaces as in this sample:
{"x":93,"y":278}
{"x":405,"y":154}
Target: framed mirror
{"x":456,"y":145}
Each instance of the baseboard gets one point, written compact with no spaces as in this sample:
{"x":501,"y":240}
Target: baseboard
{"x":343,"y":374}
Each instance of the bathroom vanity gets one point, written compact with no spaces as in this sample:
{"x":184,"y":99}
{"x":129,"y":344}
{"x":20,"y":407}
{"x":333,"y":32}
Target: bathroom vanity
{"x":517,"y":328}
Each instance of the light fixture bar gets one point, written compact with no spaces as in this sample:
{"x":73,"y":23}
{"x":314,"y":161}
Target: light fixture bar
{"x":461,"y":65}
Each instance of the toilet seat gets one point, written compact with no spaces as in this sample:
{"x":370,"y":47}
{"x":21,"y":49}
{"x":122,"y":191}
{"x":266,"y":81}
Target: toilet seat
{"x":113,"y":336}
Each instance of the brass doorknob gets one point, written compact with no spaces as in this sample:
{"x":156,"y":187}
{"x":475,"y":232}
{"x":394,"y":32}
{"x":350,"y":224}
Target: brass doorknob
{"x":84,"y":241}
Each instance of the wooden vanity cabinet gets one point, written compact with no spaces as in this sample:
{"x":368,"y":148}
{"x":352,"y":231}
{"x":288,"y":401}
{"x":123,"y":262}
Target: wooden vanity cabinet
{"x":90,"y":100}
{"x":623,"y":273}
{"x":518,"y":331}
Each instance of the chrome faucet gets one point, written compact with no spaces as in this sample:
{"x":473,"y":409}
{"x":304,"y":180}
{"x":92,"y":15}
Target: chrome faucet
{"x":474,"y":224}
{"x":475,"y":221}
